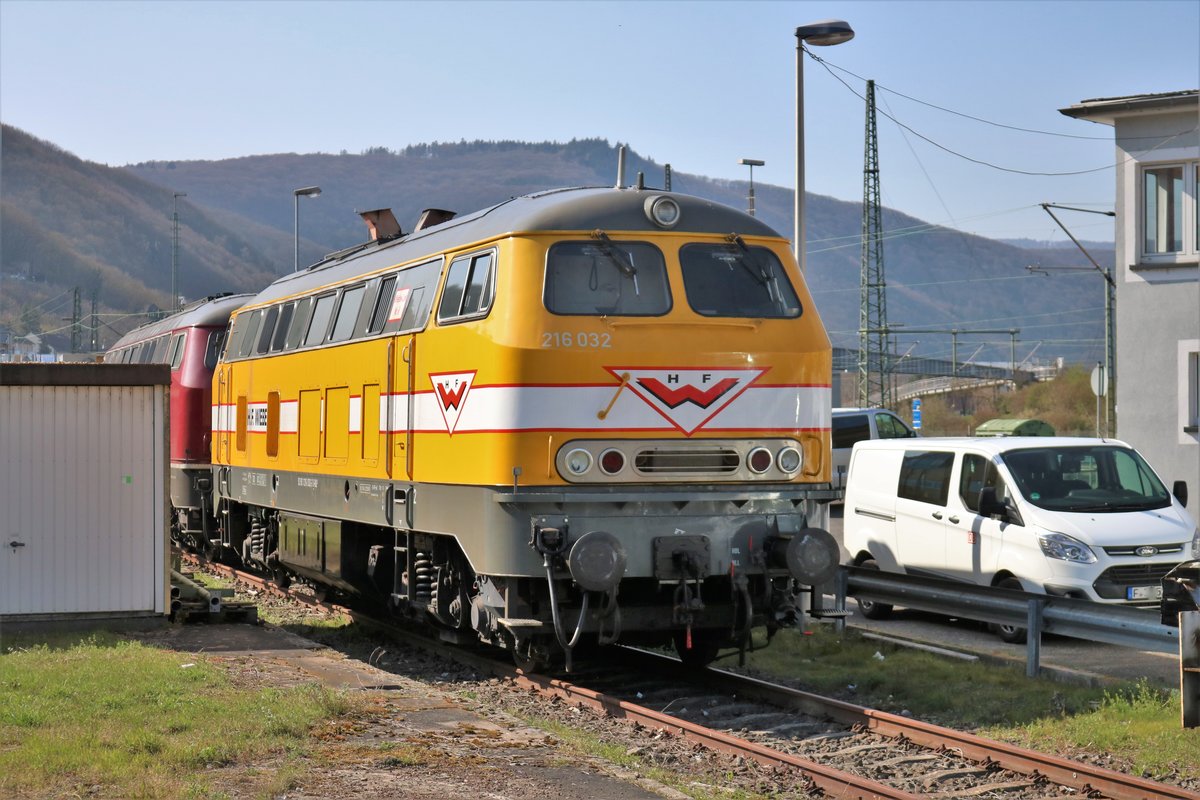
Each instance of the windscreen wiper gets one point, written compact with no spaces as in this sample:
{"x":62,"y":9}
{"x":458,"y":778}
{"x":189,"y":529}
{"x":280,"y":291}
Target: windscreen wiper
{"x":750,"y":261}
{"x":617,"y":256}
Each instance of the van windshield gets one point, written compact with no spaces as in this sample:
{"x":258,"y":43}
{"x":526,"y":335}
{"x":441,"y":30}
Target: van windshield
{"x":1099,"y":478}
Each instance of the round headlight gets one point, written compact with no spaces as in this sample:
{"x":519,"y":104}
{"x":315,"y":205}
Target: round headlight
{"x":662,"y":211}
{"x":759,"y":460}
{"x":578,"y":461}
{"x":789,"y":460}
{"x":612,"y":462}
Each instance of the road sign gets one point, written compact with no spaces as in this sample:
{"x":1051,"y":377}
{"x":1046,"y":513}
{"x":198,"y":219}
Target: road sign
{"x":916,"y":413}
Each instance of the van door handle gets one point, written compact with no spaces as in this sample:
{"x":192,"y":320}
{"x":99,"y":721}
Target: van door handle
{"x":954,"y":520}
{"x":937,"y":515}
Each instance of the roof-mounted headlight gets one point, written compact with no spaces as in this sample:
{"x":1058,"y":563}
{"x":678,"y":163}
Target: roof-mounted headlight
{"x":662,"y":211}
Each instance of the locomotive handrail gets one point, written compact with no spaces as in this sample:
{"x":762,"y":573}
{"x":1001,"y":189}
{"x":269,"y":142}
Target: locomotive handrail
{"x":657,"y":491}
{"x":1080,"y":619}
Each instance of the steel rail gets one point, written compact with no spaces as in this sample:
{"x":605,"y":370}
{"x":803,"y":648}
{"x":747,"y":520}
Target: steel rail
{"x":1062,"y":771}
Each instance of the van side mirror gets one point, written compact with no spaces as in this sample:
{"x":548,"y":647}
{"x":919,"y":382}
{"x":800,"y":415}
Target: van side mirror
{"x":989,"y":506}
{"x":1180,"y":492}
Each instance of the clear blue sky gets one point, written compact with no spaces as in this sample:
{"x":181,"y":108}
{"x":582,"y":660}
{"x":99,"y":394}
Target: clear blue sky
{"x":696,"y":84}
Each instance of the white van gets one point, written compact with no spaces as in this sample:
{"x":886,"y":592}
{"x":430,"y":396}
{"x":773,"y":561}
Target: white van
{"x":852,"y":425}
{"x":1082,"y":518}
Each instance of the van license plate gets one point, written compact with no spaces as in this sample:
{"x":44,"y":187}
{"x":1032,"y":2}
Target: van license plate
{"x":1143,"y":593}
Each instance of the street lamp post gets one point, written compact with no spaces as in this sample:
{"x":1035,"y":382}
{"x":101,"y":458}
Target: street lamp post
{"x":824,"y":33}
{"x":1110,"y":300}
{"x":175,"y":250}
{"x":307,"y":191}
{"x":751,"y":163}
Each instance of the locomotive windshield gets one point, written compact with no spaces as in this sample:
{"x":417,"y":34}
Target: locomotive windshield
{"x":733,"y":280}
{"x":606,"y":278}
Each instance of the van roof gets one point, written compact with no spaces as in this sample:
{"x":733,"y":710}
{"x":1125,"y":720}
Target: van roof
{"x":995,"y":446}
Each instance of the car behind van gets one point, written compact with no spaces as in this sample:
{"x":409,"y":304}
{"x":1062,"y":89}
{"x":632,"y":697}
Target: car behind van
{"x":852,"y":425}
{"x":1081,"y":518}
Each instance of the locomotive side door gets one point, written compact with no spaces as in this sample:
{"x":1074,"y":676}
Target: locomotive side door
{"x":223,"y":416}
{"x":402,"y":360}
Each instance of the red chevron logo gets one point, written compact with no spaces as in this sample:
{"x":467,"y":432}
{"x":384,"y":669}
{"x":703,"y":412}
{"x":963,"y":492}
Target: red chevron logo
{"x":688,"y":397}
{"x":673,"y":398}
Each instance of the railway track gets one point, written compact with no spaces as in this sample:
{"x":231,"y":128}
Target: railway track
{"x":837,"y":749}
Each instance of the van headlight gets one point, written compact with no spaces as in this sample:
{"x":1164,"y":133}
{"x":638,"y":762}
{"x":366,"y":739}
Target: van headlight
{"x":1066,"y":548}
{"x":1196,"y":543}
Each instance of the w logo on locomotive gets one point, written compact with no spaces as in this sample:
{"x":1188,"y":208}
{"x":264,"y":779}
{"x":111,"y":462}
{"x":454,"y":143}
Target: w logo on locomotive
{"x":450,"y":389}
{"x":688,"y":398}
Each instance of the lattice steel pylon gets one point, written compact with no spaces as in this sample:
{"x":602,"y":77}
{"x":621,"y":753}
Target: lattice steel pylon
{"x":874,"y":389}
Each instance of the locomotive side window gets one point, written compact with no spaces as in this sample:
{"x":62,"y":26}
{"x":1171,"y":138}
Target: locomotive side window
{"x":469,"y":288}
{"x":733,"y":280}
{"x":299,"y":323}
{"x":246,"y":345}
{"x":383,"y":305}
{"x":175,"y":355}
{"x":347,"y":313}
{"x":322,"y":312}
{"x":213,"y":349}
{"x":282,"y":327}
{"x":412,"y":298}
{"x":268,"y":330}
{"x":606,"y":278}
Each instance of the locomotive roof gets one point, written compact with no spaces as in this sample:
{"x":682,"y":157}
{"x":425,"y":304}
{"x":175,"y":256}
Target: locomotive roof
{"x":581,"y":209}
{"x":211,"y":311}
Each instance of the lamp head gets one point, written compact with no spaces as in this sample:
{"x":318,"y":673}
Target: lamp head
{"x":826,"y":32}
{"x":307,"y":191}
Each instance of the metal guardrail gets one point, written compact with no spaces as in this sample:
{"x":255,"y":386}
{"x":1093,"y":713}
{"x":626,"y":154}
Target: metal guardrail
{"x":1079,"y":619}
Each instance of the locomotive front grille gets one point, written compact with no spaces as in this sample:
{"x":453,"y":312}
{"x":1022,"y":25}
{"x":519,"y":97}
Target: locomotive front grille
{"x":692,"y":461}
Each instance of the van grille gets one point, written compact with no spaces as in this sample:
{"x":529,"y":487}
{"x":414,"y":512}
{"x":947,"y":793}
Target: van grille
{"x":1112,"y":582}
{"x":1131,"y":549}
{"x":692,"y":461}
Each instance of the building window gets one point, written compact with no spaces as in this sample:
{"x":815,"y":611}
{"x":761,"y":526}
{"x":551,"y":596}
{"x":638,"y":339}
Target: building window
{"x":1169,"y":219}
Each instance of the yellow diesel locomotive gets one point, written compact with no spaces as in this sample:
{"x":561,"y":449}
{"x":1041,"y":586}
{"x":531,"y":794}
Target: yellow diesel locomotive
{"x":578,"y":417}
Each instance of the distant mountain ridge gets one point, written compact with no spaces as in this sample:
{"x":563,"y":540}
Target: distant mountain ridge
{"x":236,"y":231}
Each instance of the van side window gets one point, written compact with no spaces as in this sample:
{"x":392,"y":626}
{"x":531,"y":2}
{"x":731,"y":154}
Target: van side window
{"x":979,"y":472}
{"x":891,"y":427}
{"x":925,"y":476}
{"x":850,"y":429}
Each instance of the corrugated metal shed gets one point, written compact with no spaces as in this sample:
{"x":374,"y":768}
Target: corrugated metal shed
{"x":83,"y":491}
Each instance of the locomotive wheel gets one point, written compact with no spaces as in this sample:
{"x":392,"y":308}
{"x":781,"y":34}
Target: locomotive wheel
{"x":705,"y":645}
{"x":530,"y":657}
{"x":280,"y":577}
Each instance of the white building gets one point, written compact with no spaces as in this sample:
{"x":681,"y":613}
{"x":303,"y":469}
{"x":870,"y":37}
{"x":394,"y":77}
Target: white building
{"x":1157,"y":276}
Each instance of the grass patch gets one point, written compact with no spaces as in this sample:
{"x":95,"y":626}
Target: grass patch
{"x":1136,"y":723}
{"x":138,"y":721}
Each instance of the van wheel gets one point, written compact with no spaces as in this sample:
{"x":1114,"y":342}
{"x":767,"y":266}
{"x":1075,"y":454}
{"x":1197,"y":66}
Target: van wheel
{"x":1013,"y":634}
{"x":872,"y":609}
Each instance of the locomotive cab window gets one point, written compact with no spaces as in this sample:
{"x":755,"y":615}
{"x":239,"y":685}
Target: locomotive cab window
{"x":734,"y":280}
{"x":470,"y":285}
{"x":606,"y":278}
{"x":216,"y":339}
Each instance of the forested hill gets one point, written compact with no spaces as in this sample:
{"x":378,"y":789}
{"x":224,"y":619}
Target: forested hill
{"x":237,"y":223}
